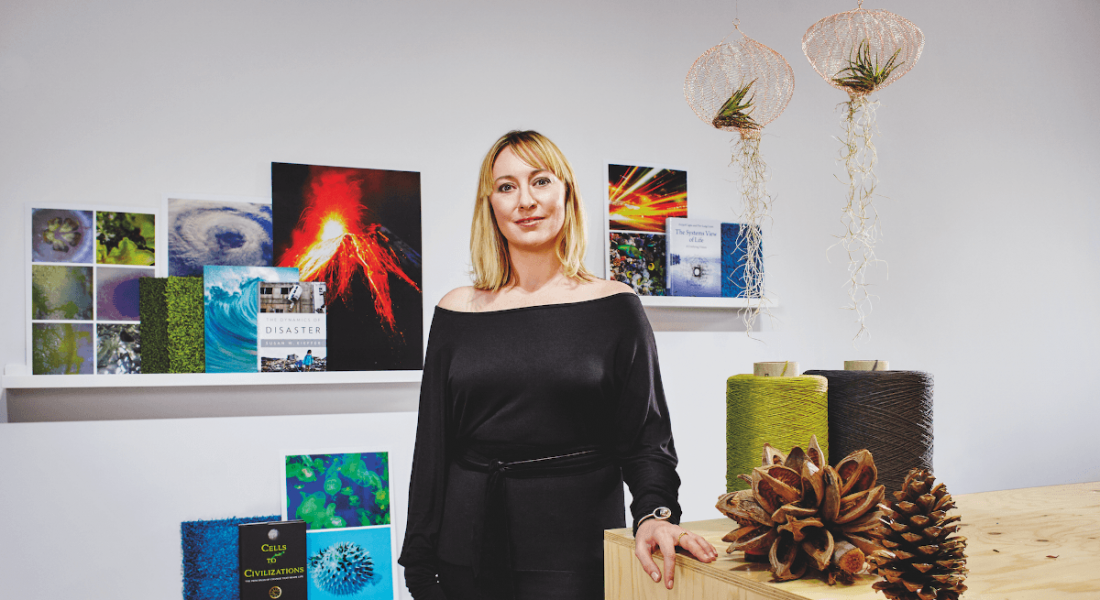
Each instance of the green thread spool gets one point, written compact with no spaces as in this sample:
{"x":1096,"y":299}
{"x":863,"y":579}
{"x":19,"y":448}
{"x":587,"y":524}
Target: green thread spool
{"x":781,"y":411}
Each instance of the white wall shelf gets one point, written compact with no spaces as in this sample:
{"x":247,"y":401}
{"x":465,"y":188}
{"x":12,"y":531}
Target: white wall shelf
{"x":692,"y":302}
{"x":206,"y":379}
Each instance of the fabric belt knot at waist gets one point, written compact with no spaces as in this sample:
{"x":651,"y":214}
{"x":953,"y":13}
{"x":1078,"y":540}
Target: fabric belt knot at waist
{"x":493,"y":559}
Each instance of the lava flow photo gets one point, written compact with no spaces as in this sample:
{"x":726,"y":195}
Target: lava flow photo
{"x":357,"y":230}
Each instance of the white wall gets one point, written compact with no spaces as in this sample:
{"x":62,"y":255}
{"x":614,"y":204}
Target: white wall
{"x":988,"y":157}
{"x":98,"y":505}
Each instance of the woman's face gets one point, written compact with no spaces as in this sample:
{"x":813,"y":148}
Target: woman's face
{"x":528,"y":203}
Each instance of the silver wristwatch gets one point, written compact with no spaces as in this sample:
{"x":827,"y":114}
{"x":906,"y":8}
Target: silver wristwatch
{"x":661,"y":513}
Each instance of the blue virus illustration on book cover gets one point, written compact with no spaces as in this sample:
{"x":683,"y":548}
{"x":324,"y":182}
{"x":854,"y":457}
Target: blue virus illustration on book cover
{"x":350,"y":563}
{"x":231,"y":298}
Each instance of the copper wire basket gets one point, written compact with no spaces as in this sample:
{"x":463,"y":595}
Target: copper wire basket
{"x":722,"y":70}
{"x":831,"y":43}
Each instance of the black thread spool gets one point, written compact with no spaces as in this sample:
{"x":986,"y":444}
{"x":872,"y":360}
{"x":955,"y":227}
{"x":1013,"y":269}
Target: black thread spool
{"x":886,"y":412}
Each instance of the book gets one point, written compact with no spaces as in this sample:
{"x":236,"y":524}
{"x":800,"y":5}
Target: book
{"x":231,"y":304}
{"x":734,"y":250}
{"x":272,"y":560}
{"x":291,"y":326}
{"x":694,"y":257}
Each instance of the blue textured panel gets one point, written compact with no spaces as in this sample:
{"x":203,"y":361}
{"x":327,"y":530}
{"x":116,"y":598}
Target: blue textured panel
{"x":210,"y":557}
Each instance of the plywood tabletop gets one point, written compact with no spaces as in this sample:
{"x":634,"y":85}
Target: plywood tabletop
{"x":1025,"y":544}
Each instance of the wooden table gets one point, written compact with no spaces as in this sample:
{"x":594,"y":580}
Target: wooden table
{"x":1012,"y":536}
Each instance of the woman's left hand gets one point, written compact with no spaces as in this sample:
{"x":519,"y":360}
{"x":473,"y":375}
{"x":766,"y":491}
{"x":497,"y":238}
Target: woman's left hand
{"x":654,"y":534}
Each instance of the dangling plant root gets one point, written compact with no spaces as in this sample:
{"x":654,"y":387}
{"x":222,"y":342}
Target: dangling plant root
{"x":756,"y":208}
{"x":735,"y":112}
{"x":860,"y":218}
{"x":863,"y":73}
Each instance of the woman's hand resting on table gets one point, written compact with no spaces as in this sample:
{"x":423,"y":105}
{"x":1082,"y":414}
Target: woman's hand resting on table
{"x":653,"y":534}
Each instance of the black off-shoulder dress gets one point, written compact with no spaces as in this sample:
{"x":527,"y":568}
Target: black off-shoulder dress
{"x":572,"y":390}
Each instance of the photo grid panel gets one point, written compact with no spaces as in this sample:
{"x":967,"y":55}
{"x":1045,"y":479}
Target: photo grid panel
{"x":85,"y":271}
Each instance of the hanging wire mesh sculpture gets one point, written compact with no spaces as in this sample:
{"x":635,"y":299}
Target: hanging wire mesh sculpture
{"x":860,"y":52}
{"x":740,"y":87}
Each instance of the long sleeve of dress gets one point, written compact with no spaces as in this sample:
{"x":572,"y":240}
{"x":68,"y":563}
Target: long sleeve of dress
{"x":428,"y":480}
{"x":644,"y":441}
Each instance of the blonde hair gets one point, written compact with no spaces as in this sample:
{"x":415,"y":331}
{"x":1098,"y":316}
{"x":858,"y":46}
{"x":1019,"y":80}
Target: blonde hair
{"x":492,"y":265}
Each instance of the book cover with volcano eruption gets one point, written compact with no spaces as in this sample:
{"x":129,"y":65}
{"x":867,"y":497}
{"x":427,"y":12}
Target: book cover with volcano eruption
{"x":357,"y":230}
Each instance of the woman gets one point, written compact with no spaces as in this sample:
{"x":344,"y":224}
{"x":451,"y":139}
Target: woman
{"x":541,"y":395}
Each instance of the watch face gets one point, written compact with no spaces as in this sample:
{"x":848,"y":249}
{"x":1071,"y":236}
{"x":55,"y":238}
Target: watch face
{"x":662,"y":512}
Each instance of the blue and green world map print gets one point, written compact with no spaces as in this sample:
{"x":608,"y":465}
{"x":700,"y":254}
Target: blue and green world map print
{"x":331,"y":491}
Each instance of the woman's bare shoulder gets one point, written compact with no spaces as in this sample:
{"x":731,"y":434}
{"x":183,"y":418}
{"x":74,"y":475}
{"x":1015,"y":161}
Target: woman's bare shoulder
{"x":605,"y":287}
{"x":459,"y":299}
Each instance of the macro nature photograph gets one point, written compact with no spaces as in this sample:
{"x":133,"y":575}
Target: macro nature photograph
{"x":61,"y":293}
{"x":62,"y":349}
{"x":124,"y":238}
{"x":60,"y":235}
{"x":117,"y":293}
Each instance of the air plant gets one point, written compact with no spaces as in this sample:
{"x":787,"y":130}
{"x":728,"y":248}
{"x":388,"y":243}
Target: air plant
{"x":735,"y":112}
{"x":762,"y":83}
{"x":897,"y":45}
{"x":863,"y":74}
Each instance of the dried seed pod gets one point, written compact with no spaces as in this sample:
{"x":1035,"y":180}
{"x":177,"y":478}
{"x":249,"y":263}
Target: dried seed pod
{"x":809,"y":515}
{"x":786,"y":559}
{"x":776,"y":485}
{"x":771,"y":456}
{"x":847,"y":557}
{"x":857,"y":472}
{"x":795,"y":458}
{"x":795,"y":527}
{"x":742,"y":507}
{"x":814,"y":453}
{"x":830,"y":501}
{"x":819,"y":546}
{"x":812,"y":487}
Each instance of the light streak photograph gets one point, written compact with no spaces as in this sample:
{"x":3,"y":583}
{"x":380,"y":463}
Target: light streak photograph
{"x":641,"y":198}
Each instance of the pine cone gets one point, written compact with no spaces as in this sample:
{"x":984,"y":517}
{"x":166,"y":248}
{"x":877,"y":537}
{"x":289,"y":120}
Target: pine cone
{"x":920,"y":559}
{"x":804,"y":513}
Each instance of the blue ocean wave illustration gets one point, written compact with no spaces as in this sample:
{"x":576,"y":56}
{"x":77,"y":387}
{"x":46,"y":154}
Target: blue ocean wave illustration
{"x":231,"y":299}
{"x":231,"y":329}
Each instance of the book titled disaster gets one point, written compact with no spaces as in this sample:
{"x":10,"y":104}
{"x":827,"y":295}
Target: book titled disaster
{"x":694,"y":257}
{"x":290,"y":327}
{"x":272,"y":560}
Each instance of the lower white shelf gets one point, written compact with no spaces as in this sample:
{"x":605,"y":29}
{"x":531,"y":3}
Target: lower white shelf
{"x":693,"y":302}
{"x":207,"y":379}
